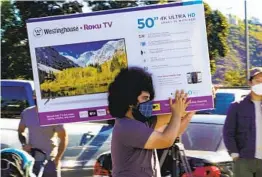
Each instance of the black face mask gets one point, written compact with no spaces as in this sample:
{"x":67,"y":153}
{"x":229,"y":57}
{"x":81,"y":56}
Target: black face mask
{"x":138,"y":116}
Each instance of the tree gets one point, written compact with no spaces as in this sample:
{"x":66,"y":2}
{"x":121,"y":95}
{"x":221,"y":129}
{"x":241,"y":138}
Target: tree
{"x":106,"y":5}
{"x":8,"y":37}
{"x":114,"y":64}
{"x":217,"y":33}
{"x":235,"y":78}
{"x":216,"y":25}
{"x":15,"y":59}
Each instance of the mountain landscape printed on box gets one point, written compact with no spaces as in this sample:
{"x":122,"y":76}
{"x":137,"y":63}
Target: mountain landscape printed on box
{"x":78,"y":69}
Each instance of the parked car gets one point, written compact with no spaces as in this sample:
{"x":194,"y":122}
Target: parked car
{"x":224,"y":97}
{"x":16,"y":95}
{"x":204,"y":148}
{"x":86,"y":140}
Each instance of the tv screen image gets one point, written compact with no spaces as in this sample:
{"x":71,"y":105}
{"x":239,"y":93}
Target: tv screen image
{"x":80,"y":68}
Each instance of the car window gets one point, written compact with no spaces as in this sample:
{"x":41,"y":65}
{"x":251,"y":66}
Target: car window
{"x":12,"y":108}
{"x":204,"y":137}
{"x":14,"y":100}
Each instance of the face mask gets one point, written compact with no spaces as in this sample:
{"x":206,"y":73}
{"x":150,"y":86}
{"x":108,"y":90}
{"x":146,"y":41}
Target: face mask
{"x":257,"y":89}
{"x":143,"y":111}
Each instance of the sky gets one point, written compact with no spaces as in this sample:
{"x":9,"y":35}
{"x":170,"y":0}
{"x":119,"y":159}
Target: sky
{"x":235,"y":7}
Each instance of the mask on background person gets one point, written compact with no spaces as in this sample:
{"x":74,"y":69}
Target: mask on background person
{"x":257,"y":89}
{"x":143,"y":111}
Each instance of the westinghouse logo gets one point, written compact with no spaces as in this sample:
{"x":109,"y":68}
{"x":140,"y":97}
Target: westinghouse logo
{"x":38,"y":32}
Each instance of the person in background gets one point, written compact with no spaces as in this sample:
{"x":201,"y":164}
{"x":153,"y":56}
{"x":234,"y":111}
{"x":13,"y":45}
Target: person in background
{"x":243,"y":130}
{"x":136,"y":132}
{"x":52,"y":140}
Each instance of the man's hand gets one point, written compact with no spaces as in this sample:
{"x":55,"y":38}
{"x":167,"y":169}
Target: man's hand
{"x":27,"y":147}
{"x":189,"y":115}
{"x":180,"y":104}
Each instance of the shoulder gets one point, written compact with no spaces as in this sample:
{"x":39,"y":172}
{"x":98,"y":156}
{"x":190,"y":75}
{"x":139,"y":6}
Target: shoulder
{"x":126,"y":122}
{"x":29,"y":109}
{"x":128,"y":125}
{"x":240,"y":105}
{"x":131,"y":133}
{"x":242,"y":102}
{"x":29,"y":112}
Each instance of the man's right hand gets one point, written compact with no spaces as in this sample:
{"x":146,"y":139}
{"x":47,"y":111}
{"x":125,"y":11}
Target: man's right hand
{"x":178,"y":108}
{"x":27,"y":147}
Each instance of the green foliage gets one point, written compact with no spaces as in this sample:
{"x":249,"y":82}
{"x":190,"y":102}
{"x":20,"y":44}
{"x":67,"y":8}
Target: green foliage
{"x":115,"y":64}
{"x":235,"y":78}
{"x":217,"y":32}
{"x":15,"y":59}
{"x":232,"y":68}
{"x":79,"y":81}
{"x":106,"y":5}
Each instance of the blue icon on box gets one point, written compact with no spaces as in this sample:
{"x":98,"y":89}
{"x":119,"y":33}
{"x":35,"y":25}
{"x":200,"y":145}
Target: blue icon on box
{"x":143,"y":44}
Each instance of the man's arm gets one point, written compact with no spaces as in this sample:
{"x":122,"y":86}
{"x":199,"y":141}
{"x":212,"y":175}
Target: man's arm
{"x":229,"y":130}
{"x":163,"y":121}
{"x":62,"y":135}
{"x":165,"y":139}
{"x":158,"y":140}
{"x":21,"y":132}
{"x":185,"y":121}
{"x":22,"y":137}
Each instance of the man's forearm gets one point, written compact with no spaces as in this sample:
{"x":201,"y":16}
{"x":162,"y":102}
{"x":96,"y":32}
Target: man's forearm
{"x":22,"y":138}
{"x":183,"y":126}
{"x":61,"y":148}
{"x":172,"y":130}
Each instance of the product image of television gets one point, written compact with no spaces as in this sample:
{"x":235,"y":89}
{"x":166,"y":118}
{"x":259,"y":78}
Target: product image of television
{"x":194,"y":77}
{"x":79,"y":68}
